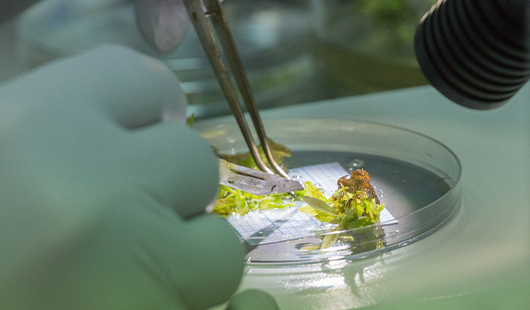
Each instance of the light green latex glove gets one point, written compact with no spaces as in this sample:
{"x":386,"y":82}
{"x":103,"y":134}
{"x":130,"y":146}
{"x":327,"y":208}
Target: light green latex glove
{"x":101,"y":204}
{"x":252,"y":300}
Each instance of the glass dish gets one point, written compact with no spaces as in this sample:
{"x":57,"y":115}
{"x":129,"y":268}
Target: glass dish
{"x":415,"y":176}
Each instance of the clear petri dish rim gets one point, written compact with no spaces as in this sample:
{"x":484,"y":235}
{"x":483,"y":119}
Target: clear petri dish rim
{"x":386,"y":144}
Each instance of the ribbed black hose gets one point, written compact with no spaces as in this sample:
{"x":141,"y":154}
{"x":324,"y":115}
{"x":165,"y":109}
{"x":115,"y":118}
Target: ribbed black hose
{"x":475,"y":52}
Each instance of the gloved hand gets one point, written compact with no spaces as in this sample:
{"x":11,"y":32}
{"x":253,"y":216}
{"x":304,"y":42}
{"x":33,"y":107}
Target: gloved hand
{"x":101,"y":204}
{"x":252,"y":300}
{"x":163,"y":23}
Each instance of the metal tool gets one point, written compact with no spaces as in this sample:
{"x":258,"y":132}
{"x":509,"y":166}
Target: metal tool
{"x":254,"y":181}
{"x":205,"y":15}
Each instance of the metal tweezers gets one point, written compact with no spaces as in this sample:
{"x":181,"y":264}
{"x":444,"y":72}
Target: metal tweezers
{"x":207,"y":13}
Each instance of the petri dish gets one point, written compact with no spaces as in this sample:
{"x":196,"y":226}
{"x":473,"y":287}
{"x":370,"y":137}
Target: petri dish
{"x":415,"y":176}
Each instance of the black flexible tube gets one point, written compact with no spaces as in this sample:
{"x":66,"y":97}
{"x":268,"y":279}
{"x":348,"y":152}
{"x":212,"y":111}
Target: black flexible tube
{"x":475,"y":52}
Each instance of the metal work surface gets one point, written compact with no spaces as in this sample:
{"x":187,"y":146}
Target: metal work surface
{"x":481,"y":258}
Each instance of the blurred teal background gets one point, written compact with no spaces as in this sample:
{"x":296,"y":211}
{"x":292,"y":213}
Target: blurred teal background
{"x":293,"y":51}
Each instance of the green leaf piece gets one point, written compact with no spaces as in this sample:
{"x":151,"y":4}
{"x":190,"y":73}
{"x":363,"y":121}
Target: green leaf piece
{"x":191,"y":119}
{"x":329,"y":241}
{"x":319,"y":205}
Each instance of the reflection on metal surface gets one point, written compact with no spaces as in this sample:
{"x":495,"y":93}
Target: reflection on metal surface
{"x":345,"y":284}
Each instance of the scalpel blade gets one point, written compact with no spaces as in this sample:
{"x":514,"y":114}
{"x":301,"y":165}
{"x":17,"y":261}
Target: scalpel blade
{"x":254,"y":181}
